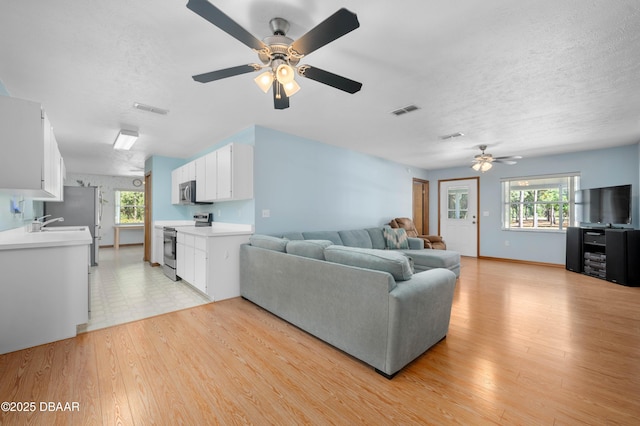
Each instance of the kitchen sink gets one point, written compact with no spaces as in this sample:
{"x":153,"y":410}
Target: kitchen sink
{"x":63,"y":228}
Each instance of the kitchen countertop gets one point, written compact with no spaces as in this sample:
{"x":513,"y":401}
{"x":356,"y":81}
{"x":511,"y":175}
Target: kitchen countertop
{"x":19,"y":238}
{"x":216,"y":229}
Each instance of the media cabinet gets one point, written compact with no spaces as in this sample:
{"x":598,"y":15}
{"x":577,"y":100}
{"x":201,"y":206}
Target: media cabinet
{"x":612,"y":254}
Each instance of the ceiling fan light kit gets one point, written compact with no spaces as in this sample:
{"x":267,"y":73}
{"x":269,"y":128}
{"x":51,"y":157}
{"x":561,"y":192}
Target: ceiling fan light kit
{"x":280,"y":54}
{"x":484,"y":161}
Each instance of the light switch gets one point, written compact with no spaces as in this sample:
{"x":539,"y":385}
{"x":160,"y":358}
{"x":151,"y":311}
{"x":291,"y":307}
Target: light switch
{"x":266,"y":213}
{"x":485,"y":213}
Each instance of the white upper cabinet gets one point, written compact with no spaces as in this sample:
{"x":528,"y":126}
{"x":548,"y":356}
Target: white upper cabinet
{"x":175,"y":186}
{"x":31,"y":164}
{"x":234,"y":173}
{"x":223,"y":175}
{"x":201,"y":179}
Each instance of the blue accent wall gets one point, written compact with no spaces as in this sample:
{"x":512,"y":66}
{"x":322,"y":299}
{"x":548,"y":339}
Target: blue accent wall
{"x":307,"y":185}
{"x":304,"y":184}
{"x":606,"y":167}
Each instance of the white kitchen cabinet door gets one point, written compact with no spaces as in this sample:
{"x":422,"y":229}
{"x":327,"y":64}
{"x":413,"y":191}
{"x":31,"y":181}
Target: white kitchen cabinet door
{"x":32,"y":165}
{"x":181,"y":260}
{"x":200,"y":270}
{"x":189,"y":171}
{"x":175,"y":186}
{"x":224,"y":170}
{"x":157,"y":253}
{"x":201,"y":179}
{"x":189,"y":273}
{"x":211,"y":166}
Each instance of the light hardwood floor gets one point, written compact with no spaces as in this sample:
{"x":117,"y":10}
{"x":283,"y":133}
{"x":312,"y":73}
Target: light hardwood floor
{"x":527,"y":344}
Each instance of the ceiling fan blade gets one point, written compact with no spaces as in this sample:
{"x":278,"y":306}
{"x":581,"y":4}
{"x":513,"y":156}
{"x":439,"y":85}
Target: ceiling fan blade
{"x":329,"y":78}
{"x":509,"y":162}
{"x":226,"y":24}
{"x":280,"y":99}
{"x":335,"y":26}
{"x":224,"y":73}
{"x":509,"y":157}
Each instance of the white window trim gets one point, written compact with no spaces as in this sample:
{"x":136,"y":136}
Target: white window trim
{"x":116,"y":212}
{"x":574,"y":185}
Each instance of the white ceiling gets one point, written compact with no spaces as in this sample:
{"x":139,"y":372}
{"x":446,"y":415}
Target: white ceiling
{"x":525,"y":78}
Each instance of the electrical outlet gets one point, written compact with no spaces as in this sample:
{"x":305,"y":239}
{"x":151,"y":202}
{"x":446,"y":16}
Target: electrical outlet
{"x":506,"y":243}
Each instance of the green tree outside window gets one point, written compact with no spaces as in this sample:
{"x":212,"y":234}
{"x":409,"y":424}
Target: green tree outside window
{"x":129,"y":207}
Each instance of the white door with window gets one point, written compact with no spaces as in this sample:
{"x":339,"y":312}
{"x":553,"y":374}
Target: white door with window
{"x":459,"y":215}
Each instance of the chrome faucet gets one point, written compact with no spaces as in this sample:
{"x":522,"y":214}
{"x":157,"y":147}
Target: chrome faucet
{"x":57,"y":219}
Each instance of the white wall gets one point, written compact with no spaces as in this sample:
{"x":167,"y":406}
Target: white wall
{"x":108,"y":185}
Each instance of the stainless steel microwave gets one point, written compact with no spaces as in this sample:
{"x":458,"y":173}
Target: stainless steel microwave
{"x":188,"y":192}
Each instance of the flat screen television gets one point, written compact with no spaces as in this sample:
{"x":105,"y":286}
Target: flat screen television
{"x":609,"y":205}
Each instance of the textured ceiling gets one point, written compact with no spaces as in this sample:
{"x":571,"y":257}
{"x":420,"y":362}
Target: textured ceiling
{"x":524,"y":78}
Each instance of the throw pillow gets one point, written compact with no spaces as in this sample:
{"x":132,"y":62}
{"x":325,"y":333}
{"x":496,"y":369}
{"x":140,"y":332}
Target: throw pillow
{"x":396,"y":238}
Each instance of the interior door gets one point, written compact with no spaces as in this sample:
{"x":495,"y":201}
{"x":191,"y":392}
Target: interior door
{"x":148,"y":230}
{"x":458,"y":215}
{"x":421,"y":206}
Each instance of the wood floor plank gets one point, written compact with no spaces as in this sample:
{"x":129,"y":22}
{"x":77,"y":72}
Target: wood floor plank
{"x":527,"y":344}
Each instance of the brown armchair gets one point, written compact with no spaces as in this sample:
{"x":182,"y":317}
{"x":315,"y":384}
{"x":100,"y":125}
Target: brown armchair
{"x":430,"y":241}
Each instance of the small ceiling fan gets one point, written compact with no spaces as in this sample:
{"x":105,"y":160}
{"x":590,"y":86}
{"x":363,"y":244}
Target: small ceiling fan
{"x":279,"y":54}
{"x":483,"y":161}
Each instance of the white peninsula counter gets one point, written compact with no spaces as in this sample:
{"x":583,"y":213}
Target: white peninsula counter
{"x":44,"y":289}
{"x":208,"y":257}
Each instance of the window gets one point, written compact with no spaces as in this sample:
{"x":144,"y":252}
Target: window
{"x":129,"y":206}
{"x":540,"y":203}
{"x":457,"y":204}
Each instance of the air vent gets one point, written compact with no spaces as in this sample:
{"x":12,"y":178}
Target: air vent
{"x":404,"y":110}
{"x":150,"y":108}
{"x":451,"y":136}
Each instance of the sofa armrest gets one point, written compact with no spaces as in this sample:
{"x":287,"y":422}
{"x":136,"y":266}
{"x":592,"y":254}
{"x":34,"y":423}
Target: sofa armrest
{"x":416,"y":243}
{"x":419,"y":314}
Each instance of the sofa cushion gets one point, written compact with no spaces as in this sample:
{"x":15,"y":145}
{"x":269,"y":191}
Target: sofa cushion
{"x":395,"y":263}
{"x":323,"y":235}
{"x":308,"y":248}
{"x":377,"y":238}
{"x":432,"y":259}
{"x":268,"y":242}
{"x":293,"y":236}
{"x":356,"y":238}
{"x":395,"y":238}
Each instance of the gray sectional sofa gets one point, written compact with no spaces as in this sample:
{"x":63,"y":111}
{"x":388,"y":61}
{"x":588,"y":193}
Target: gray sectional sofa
{"x":384,"y":307}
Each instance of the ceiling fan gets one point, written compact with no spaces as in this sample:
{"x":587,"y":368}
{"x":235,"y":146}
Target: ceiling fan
{"x":279,"y":54}
{"x":483,"y":161}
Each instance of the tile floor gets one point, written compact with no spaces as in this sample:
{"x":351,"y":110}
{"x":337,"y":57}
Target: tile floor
{"x":124,"y":288}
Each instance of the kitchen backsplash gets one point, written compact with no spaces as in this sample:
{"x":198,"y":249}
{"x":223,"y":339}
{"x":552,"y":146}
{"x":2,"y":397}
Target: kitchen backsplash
{"x":17,"y":211}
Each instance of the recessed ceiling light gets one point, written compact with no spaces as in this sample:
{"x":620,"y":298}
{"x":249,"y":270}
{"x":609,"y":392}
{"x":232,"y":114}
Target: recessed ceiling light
{"x":150,"y":108}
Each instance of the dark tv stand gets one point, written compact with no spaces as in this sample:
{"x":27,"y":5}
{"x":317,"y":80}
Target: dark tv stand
{"x":610,"y":254}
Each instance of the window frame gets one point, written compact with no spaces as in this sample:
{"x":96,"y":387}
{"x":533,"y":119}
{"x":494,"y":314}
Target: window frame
{"x":117,"y":208}
{"x":572,"y":185}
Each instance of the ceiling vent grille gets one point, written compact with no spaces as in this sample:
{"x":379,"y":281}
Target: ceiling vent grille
{"x":150,"y":108}
{"x":451,"y":136}
{"x":404,"y":110}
